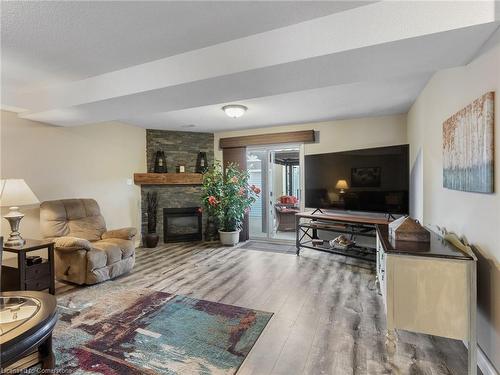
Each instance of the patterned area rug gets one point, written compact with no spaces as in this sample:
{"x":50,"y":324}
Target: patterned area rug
{"x":149,"y":332}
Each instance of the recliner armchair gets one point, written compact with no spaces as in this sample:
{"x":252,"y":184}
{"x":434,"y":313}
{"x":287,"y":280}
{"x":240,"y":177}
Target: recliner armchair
{"x":85,"y":252}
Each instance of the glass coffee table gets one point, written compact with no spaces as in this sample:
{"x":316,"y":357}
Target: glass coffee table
{"x":27,"y":319}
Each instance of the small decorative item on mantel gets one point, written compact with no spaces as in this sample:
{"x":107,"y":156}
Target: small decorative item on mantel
{"x":180,"y":169}
{"x":151,"y":238}
{"x":160,"y":162}
{"x":407,"y":229}
{"x":201,"y":162}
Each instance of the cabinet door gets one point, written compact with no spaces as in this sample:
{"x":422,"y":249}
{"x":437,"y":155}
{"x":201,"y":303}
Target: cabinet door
{"x":38,"y":284}
{"x":429,"y":295}
{"x":37,"y":271}
{"x":381,"y":276}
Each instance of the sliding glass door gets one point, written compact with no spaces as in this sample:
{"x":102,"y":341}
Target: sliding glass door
{"x":257,"y":166}
{"x":276,"y":170}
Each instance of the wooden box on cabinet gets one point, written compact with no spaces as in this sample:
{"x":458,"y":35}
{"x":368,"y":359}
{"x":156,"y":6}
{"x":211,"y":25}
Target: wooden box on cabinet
{"x":407,"y":229}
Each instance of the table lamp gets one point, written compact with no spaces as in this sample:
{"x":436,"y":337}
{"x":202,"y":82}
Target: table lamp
{"x":15,"y":193}
{"x":342,"y":185}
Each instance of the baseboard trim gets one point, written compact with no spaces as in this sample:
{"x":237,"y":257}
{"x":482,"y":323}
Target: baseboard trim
{"x":483,"y":362}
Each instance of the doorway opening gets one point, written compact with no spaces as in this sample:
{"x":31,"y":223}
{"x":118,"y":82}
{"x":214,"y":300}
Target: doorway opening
{"x":276,"y":170}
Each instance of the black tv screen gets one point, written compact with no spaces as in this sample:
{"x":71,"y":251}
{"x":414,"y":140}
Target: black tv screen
{"x":370,"y":180}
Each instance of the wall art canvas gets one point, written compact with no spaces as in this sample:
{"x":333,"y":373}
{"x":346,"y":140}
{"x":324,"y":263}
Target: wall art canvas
{"x":365,"y":177}
{"x":468,"y":147}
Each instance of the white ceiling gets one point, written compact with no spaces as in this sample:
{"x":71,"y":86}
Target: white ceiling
{"x":167,"y":65}
{"x":57,"y":41}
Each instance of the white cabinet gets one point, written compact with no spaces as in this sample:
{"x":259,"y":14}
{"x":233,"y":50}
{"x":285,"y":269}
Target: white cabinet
{"x":381,"y":265}
{"x":428,"y":288}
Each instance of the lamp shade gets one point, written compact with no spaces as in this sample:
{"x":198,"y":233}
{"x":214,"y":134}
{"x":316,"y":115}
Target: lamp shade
{"x":16,"y":192}
{"x":341,"y":184}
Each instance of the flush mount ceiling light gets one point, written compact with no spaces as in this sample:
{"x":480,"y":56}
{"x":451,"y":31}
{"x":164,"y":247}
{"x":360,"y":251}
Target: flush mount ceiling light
{"x":234,"y":110}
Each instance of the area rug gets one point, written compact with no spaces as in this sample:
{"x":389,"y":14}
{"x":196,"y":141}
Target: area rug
{"x":150,"y":332}
{"x":269,"y":247}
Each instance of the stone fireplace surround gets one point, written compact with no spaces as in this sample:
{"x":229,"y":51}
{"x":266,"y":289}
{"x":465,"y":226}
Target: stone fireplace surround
{"x":181,"y":148}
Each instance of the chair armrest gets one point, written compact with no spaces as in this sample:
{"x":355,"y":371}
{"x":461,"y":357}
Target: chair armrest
{"x":123,"y":233}
{"x":72,"y":243}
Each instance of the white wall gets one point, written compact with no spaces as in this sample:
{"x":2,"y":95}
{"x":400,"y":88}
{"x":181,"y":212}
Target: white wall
{"x":91,"y":161}
{"x":338,"y":135}
{"x":477,"y":216}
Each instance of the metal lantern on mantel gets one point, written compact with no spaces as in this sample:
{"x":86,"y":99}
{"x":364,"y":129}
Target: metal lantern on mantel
{"x":201,"y":162}
{"x":160,"y":165}
{"x":407,"y":229}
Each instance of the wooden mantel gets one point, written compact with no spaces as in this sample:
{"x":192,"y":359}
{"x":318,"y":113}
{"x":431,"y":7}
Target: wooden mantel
{"x":168,"y":178}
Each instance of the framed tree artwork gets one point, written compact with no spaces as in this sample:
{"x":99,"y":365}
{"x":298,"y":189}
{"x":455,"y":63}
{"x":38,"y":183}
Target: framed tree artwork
{"x":468,"y":147}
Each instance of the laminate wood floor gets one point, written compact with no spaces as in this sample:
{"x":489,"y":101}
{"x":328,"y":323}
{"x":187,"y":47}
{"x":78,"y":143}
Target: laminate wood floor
{"x":328,"y":317}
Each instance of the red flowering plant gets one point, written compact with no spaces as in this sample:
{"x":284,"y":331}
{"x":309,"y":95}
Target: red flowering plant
{"x":227,"y":195}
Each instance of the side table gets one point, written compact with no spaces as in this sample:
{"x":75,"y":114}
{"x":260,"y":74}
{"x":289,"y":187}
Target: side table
{"x":19,"y":276}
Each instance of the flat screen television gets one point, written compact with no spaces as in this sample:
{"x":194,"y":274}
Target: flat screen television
{"x":368,"y":180}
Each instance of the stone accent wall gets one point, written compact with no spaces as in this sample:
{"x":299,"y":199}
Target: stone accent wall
{"x":180,"y":148}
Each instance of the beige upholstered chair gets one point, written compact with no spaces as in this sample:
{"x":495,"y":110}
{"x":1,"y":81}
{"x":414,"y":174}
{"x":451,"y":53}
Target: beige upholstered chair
{"x":85,"y":252}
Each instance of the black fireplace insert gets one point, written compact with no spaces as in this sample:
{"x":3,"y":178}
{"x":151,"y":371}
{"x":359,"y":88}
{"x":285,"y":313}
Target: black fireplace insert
{"x":182,"y":224}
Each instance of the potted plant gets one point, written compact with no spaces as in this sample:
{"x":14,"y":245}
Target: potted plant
{"x":227,"y":196}
{"x":151,"y":238}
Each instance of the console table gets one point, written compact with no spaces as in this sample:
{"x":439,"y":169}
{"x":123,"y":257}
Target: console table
{"x":352,"y":225}
{"x":428,"y":288}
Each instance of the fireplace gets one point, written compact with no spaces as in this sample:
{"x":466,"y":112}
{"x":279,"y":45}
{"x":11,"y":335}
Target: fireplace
{"x":182,"y":224}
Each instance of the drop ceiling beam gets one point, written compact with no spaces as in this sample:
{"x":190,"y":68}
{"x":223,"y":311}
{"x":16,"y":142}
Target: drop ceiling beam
{"x":292,"y":48}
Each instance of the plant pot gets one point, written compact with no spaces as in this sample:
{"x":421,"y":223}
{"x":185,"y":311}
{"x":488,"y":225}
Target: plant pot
{"x":229,"y":238}
{"x":211,"y":229}
{"x":151,"y":240}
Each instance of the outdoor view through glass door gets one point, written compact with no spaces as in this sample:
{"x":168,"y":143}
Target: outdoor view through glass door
{"x":276,"y":171}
